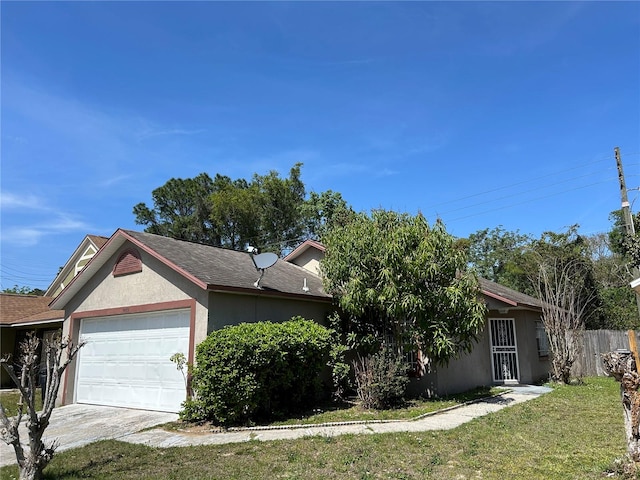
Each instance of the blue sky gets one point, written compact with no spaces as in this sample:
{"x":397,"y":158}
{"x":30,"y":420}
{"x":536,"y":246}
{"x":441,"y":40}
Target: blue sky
{"x":482,"y":114}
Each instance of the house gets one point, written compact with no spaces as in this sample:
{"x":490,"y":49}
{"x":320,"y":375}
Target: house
{"x":307,"y":255}
{"x":80,"y":257}
{"x":143,"y":298}
{"x":20,"y":314}
{"x":512,"y":347}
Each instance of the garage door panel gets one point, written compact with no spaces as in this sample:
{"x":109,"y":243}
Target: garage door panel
{"x":126,"y":360}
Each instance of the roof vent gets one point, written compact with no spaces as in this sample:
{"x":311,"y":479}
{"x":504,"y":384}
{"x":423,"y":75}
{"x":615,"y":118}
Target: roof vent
{"x":128,"y":262}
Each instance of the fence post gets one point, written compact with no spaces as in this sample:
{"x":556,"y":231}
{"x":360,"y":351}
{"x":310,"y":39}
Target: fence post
{"x":633,"y":347}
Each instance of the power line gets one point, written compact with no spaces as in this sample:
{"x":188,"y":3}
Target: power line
{"x":528,"y":201}
{"x":529,"y":180}
{"x":524,"y":192}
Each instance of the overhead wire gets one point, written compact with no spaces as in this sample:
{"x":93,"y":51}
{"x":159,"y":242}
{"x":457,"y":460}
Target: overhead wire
{"x":523,"y":182}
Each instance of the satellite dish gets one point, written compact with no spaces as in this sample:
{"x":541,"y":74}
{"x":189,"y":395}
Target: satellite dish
{"x":265,"y":260}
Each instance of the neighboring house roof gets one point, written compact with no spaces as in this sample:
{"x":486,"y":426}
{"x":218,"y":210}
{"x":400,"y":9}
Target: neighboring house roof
{"x":636,"y":285}
{"x":18,"y":309}
{"x":211,"y":268}
{"x":83,"y":253}
{"x":508,"y":296}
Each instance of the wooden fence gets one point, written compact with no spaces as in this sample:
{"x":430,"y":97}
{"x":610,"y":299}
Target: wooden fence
{"x":595,"y":343}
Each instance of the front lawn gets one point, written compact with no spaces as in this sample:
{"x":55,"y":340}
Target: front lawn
{"x":10,"y":399}
{"x":574,"y":432}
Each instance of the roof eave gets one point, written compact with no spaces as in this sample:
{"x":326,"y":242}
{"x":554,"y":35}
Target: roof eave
{"x":267,"y":292}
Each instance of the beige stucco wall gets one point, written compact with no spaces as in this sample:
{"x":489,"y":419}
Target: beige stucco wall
{"x":230,"y":309}
{"x":474,"y":369}
{"x":533,"y":368}
{"x":157,"y":283}
{"x":309,"y":260}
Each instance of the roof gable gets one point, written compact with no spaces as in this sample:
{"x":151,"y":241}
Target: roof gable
{"x":208,"y":267}
{"x":88,"y":247}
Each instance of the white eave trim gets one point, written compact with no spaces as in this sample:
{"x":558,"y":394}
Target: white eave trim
{"x":636,"y":285}
{"x":35,"y":322}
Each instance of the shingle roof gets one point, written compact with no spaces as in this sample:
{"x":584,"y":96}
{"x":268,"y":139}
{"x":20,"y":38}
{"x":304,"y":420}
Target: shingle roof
{"x":98,"y":240}
{"x":16,"y":309}
{"x":496,"y":290}
{"x":229,"y":269}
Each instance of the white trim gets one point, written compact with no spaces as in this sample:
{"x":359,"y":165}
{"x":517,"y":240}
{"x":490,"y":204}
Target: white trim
{"x":37,"y":322}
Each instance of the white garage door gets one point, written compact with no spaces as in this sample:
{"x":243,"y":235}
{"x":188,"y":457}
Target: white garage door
{"x":125,"y":362}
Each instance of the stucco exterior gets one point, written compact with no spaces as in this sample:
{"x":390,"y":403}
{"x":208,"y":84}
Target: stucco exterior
{"x":230,"y":309}
{"x":474,"y":369}
{"x":159,"y":285}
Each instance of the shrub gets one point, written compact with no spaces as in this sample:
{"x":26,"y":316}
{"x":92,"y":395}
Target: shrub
{"x":254,"y":370}
{"x":381,"y":379}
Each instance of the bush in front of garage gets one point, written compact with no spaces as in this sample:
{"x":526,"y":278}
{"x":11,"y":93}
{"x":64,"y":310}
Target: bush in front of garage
{"x":258,"y":370}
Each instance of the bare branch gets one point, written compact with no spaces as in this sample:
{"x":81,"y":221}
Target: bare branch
{"x":58,"y":354}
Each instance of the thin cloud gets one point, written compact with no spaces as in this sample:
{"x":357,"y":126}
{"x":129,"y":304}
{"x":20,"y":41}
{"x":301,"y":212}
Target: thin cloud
{"x":109,"y":182}
{"x":12,"y":201}
{"x":27,"y":219}
{"x":172,"y":131}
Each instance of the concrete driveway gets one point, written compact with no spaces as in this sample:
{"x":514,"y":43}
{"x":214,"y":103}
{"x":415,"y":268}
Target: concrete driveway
{"x":77,"y":425}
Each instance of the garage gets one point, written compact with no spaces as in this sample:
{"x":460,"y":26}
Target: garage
{"x":126,"y":360}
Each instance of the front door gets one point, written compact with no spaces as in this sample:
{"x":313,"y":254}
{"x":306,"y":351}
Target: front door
{"x":504,"y":350}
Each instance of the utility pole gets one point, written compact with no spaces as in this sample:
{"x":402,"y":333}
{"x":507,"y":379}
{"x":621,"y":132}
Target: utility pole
{"x":626,"y":212}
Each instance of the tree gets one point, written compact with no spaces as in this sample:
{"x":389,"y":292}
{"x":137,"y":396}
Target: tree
{"x":324,"y":211}
{"x":281,"y":201}
{"x":618,"y":308}
{"x":495,"y":254}
{"x":621,"y":242}
{"x":561,"y":272}
{"x":236,"y":215}
{"x":268,"y":212}
{"x":395,"y":276}
{"x":181,"y":210}
{"x":58,"y":354}
{"x":24,"y":290}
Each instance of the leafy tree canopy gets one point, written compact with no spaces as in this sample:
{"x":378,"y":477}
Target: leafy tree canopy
{"x":394,"y":275}
{"x":24,"y":290}
{"x":268,"y":212}
{"x":512,"y":259}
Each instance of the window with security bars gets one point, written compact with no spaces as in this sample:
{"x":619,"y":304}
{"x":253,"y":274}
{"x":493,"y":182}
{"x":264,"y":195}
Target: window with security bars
{"x":412,"y":356}
{"x":542,"y":340}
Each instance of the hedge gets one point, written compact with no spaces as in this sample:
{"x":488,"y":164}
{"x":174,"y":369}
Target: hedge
{"x":251,"y":371}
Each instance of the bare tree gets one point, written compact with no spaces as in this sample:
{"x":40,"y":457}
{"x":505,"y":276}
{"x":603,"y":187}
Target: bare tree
{"x":560,"y":286}
{"x":58,"y":353}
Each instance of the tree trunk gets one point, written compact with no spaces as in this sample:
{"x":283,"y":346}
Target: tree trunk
{"x":30,"y":470}
{"x":622,"y":366}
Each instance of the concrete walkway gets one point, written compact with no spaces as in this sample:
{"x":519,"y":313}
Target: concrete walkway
{"x":77,"y":425}
{"x":442,"y":420}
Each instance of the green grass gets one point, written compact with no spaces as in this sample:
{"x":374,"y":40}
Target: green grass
{"x":10,"y":399}
{"x":346,"y":412}
{"x":574,"y":432}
